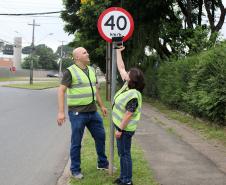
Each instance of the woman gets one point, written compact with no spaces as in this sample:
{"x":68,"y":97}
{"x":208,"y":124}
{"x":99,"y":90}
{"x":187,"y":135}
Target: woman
{"x":126,"y":114}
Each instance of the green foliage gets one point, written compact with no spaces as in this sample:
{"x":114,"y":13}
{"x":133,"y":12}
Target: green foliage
{"x":27,"y":62}
{"x":207,"y":87}
{"x":149,"y":66}
{"x":66,"y":62}
{"x":43,"y":58}
{"x":66,"y":51}
{"x":159,"y":24}
{"x":35,"y":85}
{"x":197,"y":39}
{"x":82,"y":21}
{"x":196,"y":84}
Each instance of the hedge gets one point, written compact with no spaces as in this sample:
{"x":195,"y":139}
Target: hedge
{"x":196,"y":84}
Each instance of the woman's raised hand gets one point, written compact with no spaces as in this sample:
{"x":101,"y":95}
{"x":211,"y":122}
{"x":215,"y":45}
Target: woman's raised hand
{"x":120,"y":48}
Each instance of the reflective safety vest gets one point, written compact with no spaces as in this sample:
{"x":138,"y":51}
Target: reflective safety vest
{"x":83,"y":87}
{"x":122,"y":97}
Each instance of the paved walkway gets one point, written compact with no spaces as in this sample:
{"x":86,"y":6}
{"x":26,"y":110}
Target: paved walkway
{"x":176,"y":154}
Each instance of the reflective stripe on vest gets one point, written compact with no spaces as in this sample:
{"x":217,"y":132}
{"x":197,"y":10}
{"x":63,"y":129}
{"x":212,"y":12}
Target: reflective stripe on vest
{"x":121,"y":99}
{"x":82,"y":90}
{"x":82,"y":85}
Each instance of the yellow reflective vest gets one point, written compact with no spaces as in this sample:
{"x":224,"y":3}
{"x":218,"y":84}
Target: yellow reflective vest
{"x":83,"y":88}
{"x":122,"y":97}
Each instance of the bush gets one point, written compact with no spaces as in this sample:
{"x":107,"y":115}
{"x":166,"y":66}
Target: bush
{"x":196,"y":84}
{"x":207,"y":88}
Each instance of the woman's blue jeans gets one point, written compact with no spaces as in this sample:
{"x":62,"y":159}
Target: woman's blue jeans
{"x":94,"y":123}
{"x":124,"y":152}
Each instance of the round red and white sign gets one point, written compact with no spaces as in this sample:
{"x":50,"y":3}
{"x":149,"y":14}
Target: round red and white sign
{"x":115,"y":22}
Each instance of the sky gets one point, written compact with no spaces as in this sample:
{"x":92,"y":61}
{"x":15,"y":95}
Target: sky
{"x":50,"y":31}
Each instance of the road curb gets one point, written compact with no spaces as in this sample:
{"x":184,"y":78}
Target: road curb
{"x":64,"y":178}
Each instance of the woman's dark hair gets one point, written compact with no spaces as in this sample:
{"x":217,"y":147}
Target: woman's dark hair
{"x":136,"y":79}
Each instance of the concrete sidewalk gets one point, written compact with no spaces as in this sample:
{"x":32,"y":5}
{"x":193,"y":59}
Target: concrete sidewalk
{"x":176,"y":154}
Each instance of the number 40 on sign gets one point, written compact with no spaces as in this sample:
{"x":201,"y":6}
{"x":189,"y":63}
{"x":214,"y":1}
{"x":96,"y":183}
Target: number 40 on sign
{"x":115,"y":22}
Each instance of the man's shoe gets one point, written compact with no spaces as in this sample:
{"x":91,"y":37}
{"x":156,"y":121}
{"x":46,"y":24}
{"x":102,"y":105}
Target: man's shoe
{"x":117,"y":181}
{"x":77,"y":175}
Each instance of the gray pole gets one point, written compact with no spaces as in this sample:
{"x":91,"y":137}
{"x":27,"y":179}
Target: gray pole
{"x":108,"y":71}
{"x":61,"y":58}
{"x":33,"y":47}
{"x":113,"y":88}
{"x":32,"y":54}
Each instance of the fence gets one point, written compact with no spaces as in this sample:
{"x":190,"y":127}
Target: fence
{"x":6,"y":73}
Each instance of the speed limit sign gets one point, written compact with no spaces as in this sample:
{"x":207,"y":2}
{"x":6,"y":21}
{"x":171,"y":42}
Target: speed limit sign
{"x":115,"y":22}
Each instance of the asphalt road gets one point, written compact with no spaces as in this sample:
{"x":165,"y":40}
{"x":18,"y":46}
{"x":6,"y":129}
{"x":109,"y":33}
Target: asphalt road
{"x":33,"y":149}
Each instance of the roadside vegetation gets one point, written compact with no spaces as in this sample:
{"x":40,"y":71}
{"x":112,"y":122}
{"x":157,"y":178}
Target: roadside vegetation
{"x":196,"y":84}
{"x":35,"y":85}
{"x":9,"y":79}
{"x":3,"y":79}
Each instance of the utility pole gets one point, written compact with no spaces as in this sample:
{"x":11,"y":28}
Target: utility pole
{"x":61,"y":59}
{"x":32,"y":52}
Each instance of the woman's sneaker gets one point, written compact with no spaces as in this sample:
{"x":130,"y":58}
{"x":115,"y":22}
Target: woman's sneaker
{"x":117,"y":181}
{"x":106,"y":168}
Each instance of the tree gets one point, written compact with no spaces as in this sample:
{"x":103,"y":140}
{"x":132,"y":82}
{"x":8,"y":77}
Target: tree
{"x":167,"y":26}
{"x":43,"y":58}
{"x":66,"y":62}
{"x":67,"y":51}
{"x":81,"y":19}
{"x":27,"y":60}
{"x":193,"y":12}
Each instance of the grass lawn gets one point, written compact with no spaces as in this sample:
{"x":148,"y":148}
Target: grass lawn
{"x":27,"y":79}
{"x":12,"y":79}
{"x":35,"y":85}
{"x":142,"y":174}
{"x":207,"y":129}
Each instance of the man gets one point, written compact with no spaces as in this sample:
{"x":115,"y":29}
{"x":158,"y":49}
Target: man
{"x":79,"y":81}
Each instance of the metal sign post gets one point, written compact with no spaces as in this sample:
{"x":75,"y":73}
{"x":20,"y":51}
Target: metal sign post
{"x":113,"y":88}
{"x":114,"y":23}
{"x":108,"y":71}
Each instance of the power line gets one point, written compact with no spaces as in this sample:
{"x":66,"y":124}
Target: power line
{"x":51,"y":16}
{"x":24,"y":14}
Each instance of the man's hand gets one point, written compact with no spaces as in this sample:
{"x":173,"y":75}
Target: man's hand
{"x":61,"y":118}
{"x":104,"y":111}
{"x":118,"y":134}
{"x":61,"y":115}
